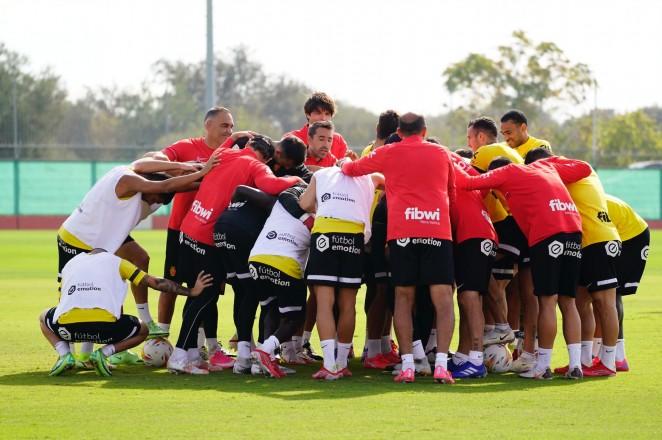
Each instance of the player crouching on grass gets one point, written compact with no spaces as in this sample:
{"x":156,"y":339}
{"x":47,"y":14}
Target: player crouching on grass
{"x":90,"y":309}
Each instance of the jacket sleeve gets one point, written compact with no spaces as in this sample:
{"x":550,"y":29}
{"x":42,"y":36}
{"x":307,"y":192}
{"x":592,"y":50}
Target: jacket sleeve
{"x":571,"y":170}
{"x":374,"y":162}
{"x":266,"y":181}
{"x":490,"y":180}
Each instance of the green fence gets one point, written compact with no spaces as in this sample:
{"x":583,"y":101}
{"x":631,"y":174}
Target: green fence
{"x":56,"y":188}
{"x":49,"y":187}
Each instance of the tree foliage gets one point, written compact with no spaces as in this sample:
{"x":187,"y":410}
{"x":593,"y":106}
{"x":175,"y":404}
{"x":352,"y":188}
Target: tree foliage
{"x":525,"y":75}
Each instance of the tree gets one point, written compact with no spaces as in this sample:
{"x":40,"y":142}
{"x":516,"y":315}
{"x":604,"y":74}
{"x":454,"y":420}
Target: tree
{"x":39,"y":100}
{"x":629,"y":138}
{"x":524,"y":75}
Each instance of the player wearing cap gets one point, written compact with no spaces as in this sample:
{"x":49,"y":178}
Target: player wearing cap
{"x":419,"y":232}
{"x":474,"y":252}
{"x":342,"y":226}
{"x":321,"y":107}
{"x":90,"y":307}
{"x":238,"y":167}
{"x":598,"y":280}
{"x":514,"y":129}
{"x":630,"y":265}
{"x":548,"y":217}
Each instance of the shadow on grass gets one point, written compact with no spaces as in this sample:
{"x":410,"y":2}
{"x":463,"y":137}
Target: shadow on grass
{"x":293,"y":388}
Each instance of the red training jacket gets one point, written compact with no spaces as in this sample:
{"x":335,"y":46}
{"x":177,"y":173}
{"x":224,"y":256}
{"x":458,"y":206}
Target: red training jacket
{"x":420,"y":186}
{"x":237,"y":167}
{"x":536,"y":196}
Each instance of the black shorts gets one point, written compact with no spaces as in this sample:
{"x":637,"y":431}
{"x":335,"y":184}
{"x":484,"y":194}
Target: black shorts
{"x":275,"y":285}
{"x":171,"y":256}
{"x":473,"y":264}
{"x":98,"y":332}
{"x":598,"y":266}
{"x":504,"y":268}
{"x":65,"y":252}
{"x":421,"y":261}
{"x":234,"y":244}
{"x":195,"y":257}
{"x":512,"y":240}
{"x":336,"y":259}
{"x":555,"y":264}
{"x":630,"y":265}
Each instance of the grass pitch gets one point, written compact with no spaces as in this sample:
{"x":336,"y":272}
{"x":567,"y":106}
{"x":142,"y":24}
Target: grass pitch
{"x":138,"y":402}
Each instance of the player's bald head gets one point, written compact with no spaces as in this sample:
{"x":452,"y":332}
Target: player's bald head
{"x":411,"y":124}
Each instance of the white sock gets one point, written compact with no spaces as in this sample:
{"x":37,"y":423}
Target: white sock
{"x":608,"y":357}
{"x":441,"y":360}
{"x":418,"y":350}
{"x":488,"y":328}
{"x":143,"y":313}
{"x":193,"y":354}
{"x":526,"y":355}
{"x":244,"y":349}
{"x":329,"y":353}
{"x":620,"y":350}
{"x":587,"y":353}
{"x":179,"y":354}
{"x":386,"y":344}
{"x":164,"y":326}
{"x":374,"y":348}
{"x":476,"y":357}
{"x":297,"y":343}
{"x":407,"y":361}
{"x":574,"y":356}
{"x":86,"y":347}
{"x":201,"y":337}
{"x":62,"y":348}
{"x":459,"y":358}
{"x":269,"y":346}
{"x":306,"y":336}
{"x":212,"y":344}
{"x":432,"y":340}
{"x":597,"y":343}
{"x":343,"y":352}
{"x":502,"y":327}
{"x":544,"y":359}
{"x":108,"y":350}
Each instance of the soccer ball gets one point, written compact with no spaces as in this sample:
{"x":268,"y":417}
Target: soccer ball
{"x":497,"y":358}
{"x":156,"y":352}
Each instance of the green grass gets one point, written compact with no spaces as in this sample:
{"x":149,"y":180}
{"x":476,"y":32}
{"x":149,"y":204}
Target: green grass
{"x":144,"y":403}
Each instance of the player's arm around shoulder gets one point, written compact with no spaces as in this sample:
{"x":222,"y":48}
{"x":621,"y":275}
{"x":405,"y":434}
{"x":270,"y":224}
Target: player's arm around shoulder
{"x":131,"y":184}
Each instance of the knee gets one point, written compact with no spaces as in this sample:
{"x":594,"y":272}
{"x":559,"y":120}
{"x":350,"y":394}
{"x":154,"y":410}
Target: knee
{"x":141,"y":260}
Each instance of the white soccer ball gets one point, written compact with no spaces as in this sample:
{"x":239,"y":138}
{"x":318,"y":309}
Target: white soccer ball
{"x":156,"y":352}
{"x":497,"y":358}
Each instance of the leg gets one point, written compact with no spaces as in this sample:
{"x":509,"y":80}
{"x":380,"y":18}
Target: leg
{"x":326,"y":323}
{"x":530,"y":302}
{"x":132,"y":341}
{"x":442,"y":299}
{"x":404,"y":304}
{"x":470,"y":304}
